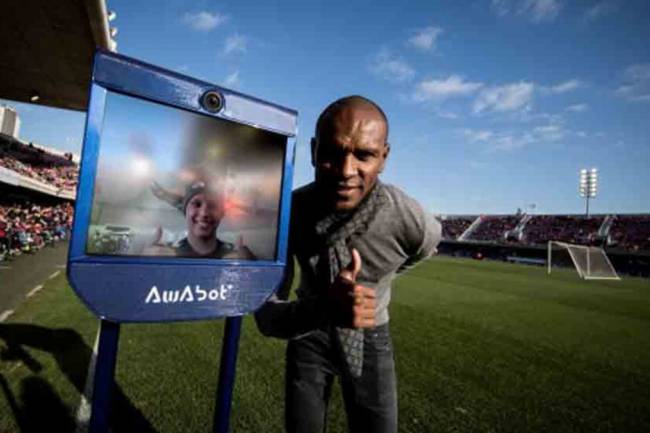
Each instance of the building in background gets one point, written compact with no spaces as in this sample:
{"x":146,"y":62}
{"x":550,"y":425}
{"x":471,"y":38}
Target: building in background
{"x":9,"y":121}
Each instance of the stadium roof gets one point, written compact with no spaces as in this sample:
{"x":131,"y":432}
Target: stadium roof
{"x":46,"y":50}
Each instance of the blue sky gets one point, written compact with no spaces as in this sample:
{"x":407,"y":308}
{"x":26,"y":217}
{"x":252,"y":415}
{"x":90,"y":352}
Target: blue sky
{"x":493,"y":105}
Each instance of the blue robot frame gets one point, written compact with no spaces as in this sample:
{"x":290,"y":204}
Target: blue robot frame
{"x":116,"y":288}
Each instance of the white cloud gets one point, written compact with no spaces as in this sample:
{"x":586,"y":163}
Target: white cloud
{"x":477,"y":135}
{"x":438,"y":90}
{"x":232,"y":80}
{"x":535,"y":10}
{"x":446,"y":114}
{"x":530,"y":116}
{"x":235,"y":43}
{"x":501,"y":7}
{"x":203,"y":21}
{"x":564,"y":87}
{"x":509,"y":140}
{"x":636,"y":83}
{"x":391,"y":68}
{"x":510,"y":97}
{"x":542,"y":10}
{"x":577,"y":108}
{"x":602,"y":8}
{"x":549,"y":132}
{"x":425,"y":39}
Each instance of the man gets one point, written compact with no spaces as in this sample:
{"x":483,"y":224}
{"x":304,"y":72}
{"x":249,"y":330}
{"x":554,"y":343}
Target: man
{"x":351,"y":235}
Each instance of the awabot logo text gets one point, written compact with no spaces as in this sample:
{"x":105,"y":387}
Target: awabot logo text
{"x":188,"y":294}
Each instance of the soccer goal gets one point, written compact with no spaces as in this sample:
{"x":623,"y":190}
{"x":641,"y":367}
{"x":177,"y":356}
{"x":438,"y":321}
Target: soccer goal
{"x":590,"y":262}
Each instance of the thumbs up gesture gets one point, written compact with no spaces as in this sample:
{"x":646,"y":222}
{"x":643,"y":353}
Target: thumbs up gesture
{"x":353,"y":304}
{"x":157,"y":235}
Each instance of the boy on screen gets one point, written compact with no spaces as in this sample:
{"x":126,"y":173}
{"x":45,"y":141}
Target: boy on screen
{"x":203,"y":207}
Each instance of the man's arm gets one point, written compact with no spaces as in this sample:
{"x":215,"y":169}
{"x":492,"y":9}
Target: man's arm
{"x":344,"y":304}
{"x":281,"y":318}
{"x":428,"y":232}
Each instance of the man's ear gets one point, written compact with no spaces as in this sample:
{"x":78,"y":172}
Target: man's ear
{"x":385,"y":153}
{"x":314,"y":149}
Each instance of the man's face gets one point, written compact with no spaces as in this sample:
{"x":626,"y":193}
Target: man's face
{"x":348,"y":155}
{"x":203,"y":214}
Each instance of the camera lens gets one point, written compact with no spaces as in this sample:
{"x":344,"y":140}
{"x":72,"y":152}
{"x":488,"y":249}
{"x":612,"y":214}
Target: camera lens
{"x":212,"y":101}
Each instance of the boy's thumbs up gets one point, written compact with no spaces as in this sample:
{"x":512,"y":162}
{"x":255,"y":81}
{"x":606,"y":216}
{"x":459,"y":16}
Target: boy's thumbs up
{"x":157,"y":235}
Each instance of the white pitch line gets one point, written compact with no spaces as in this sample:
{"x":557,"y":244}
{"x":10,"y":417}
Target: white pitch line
{"x":5,"y":267}
{"x":5,"y":315}
{"x":60,"y":266}
{"x":34,"y":291}
{"x":54,"y":274}
{"x":84,"y":410}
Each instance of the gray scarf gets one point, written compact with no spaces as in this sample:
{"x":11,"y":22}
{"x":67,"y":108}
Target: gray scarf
{"x":337,"y":231}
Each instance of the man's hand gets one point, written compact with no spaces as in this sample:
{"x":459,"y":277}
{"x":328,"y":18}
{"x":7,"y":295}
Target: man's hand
{"x":353,"y":305}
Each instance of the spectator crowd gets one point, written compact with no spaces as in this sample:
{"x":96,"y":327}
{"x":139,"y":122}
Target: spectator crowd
{"x":494,"y":228}
{"x":627,"y":232}
{"x":26,"y":227}
{"x":37,"y":164}
{"x":630,"y":232}
{"x":564,"y":228}
{"x":453,"y":227}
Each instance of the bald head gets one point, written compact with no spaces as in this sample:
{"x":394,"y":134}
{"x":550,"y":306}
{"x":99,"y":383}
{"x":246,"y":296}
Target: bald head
{"x":349,"y":151}
{"x":355,"y":102}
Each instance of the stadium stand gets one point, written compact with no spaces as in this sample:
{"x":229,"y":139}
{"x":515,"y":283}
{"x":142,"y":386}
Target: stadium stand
{"x":523,"y":238}
{"x":565,"y":228}
{"x":453,"y":227}
{"x":494,"y":228}
{"x":36,"y":192}
{"x":34,"y":162}
{"x":630,"y":233}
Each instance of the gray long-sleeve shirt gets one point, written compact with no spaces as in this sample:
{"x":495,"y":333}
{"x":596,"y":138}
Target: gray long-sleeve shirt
{"x":400,"y":236}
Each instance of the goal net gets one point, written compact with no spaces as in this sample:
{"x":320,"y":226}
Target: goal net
{"x":590,"y":262}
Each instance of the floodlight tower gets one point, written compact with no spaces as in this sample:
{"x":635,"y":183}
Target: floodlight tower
{"x":588,"y":186}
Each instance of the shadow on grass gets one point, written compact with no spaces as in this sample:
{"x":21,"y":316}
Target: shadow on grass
{"x":40,"y":408}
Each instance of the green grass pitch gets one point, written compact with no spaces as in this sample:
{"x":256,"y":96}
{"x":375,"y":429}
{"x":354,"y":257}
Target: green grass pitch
{"x":480,"y":347}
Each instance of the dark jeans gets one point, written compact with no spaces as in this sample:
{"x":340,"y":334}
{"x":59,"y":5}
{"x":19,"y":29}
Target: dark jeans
{"x":370,"y":400}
